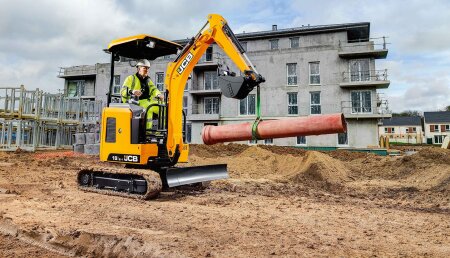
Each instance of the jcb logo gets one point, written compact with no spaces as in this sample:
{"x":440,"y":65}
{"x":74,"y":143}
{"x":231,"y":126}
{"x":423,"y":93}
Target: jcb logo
{"x":185,"y":63}
{"x":130,"y":158}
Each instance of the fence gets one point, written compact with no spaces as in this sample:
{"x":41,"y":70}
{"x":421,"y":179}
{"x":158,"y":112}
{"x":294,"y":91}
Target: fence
{"x":34,"y":119}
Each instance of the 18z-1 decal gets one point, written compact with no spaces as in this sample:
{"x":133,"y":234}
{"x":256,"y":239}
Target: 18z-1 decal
{"x":185,"y":63}
{"x":124,"y":158}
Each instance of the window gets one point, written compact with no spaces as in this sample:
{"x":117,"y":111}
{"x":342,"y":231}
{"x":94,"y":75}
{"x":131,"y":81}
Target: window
{"x":436,"y":128}
{"x":273,"y":44}
{"x":385,"y":130}
{"x":342,"y":139}
{"x":247,"y":106}
{"x":160,"y":81}
{"x":414,"y":129}
{"x":253,"y":142}
{"x":359,"y":70}
{"x":244,"y":46}
{"x":407,"y":130}
{"x":292,"y":103}
{"x":438,"y":139}
{"x":291,"y":74}
{"x":211,"y":82}
{"x":361,"y":101}
{"x":75,"y":88}
{"x":268,"y":141}
{"x":188,"y":133}
{"x":211,"y":105}
{"x":294,"y":42}
{"x":117,"y":85}
{"x":314,"y":73}
{"x":447,"y":128}
{"x":393,"y":129}
{"x":315,"y":102}
{"x":301,"y":140}
{"x":208,"y":56}
{"x":185,"y":104}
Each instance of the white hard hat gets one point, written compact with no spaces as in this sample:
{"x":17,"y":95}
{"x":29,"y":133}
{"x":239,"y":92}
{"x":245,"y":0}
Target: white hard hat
{"x":143,"y":62}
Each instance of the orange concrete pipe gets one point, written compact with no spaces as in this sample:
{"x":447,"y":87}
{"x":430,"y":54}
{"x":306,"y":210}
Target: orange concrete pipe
{"x":299,"y":126}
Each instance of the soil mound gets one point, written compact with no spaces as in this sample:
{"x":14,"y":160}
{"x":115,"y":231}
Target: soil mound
{"x":258,"y":162}
{"x":321,"y":167}
{"x":216,"y":150}
{"x":428,"y":169}
{"x":345,"y":155}
{"x":282,"y":150}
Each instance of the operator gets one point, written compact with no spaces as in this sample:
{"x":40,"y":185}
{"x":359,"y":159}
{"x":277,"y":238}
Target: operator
{"x":139,"y":85}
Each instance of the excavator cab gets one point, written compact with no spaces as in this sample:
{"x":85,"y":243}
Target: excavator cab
{"x":140,"y":46}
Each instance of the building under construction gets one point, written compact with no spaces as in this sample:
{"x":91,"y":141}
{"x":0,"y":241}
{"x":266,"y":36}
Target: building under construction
{"x":33,"y":119}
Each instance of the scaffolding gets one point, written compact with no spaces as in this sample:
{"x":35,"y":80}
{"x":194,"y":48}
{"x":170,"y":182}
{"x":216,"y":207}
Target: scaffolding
{"x":33,"y":120}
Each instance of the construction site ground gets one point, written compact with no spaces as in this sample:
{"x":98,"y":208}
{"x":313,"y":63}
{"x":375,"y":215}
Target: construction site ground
{"x":279,"y":201}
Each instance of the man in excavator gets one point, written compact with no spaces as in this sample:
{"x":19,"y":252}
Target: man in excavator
{"x":141,"y":88}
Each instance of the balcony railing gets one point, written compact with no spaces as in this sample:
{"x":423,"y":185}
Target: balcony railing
{"x":377,"y":109}
{"x":77,"y":70}
{"x":202,"y":109}
{"x":372,"y":47}
{"x":371,"y":78}
{"x":368,"y":75}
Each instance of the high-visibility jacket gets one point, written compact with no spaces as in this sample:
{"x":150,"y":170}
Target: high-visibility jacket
{"x":149,"y":91}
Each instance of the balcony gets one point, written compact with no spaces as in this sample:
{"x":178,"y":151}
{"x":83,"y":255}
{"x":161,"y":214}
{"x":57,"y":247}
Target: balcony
{"x":211,"y":91}
{"x":359,"y":110}
{"x":202,"y":112}
{"x":374,"y":47}
{"x":368,"y":78}
{"x":209,"y":61}
{"x":209,"y":86}
{"x":77,"y":71}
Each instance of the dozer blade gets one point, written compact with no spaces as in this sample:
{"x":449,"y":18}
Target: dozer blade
{"x":191,"y":175}
{"x":132,"y":183}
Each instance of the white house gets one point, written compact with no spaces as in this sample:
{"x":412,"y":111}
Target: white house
{"x":437,"y":126}
{"x":404,"y":129}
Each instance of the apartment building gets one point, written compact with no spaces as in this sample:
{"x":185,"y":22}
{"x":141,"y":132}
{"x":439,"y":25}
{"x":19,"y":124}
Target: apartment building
{"x":437,"y":126}
{"x":404,"y":129}
{"x":309,"y":70}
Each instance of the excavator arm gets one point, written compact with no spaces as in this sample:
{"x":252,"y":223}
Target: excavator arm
{"x":215,"y":30}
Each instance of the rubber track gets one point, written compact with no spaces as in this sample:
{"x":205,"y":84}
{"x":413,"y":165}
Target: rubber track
{"x":154,"y":184}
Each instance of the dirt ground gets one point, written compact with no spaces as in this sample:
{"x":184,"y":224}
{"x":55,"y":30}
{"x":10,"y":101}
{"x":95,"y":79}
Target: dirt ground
{"x":279,"y":201}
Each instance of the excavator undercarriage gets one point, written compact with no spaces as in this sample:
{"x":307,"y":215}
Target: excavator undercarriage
{"x":144,"y":183}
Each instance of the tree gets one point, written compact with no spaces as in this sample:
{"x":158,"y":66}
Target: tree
{"x":408,"y":113}
{"x":447,"y":108}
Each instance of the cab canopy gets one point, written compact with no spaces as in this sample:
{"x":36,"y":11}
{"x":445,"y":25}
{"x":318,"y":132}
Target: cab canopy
{"x":143,"y":46}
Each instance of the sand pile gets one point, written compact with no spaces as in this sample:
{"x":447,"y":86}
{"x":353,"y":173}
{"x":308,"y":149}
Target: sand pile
{"x":320,"y":167}
{"x":271,"y":163}
{"x":428,"y":169}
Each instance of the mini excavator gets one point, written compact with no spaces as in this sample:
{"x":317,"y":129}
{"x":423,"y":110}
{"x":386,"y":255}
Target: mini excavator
{"x":150,"y":155}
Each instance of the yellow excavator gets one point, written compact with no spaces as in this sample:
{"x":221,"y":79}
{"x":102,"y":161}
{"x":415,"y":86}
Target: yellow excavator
{"x":150,"y":155}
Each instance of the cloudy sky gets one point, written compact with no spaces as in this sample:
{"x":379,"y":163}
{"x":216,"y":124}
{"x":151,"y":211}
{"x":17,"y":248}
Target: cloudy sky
{"x":38,"y":37}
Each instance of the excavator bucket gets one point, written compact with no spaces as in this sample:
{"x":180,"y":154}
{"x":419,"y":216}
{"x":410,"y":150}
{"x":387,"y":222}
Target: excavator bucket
{"x":190,"y":175}
{"x":234,"y":86}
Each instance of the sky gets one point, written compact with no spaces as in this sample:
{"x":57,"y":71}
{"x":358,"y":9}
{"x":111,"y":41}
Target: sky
{"x":39,"y":37}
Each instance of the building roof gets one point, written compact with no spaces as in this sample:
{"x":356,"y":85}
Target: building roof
{"x":402,"y":121}
{"x":437,"y":117}
{"x":356,"y":31}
